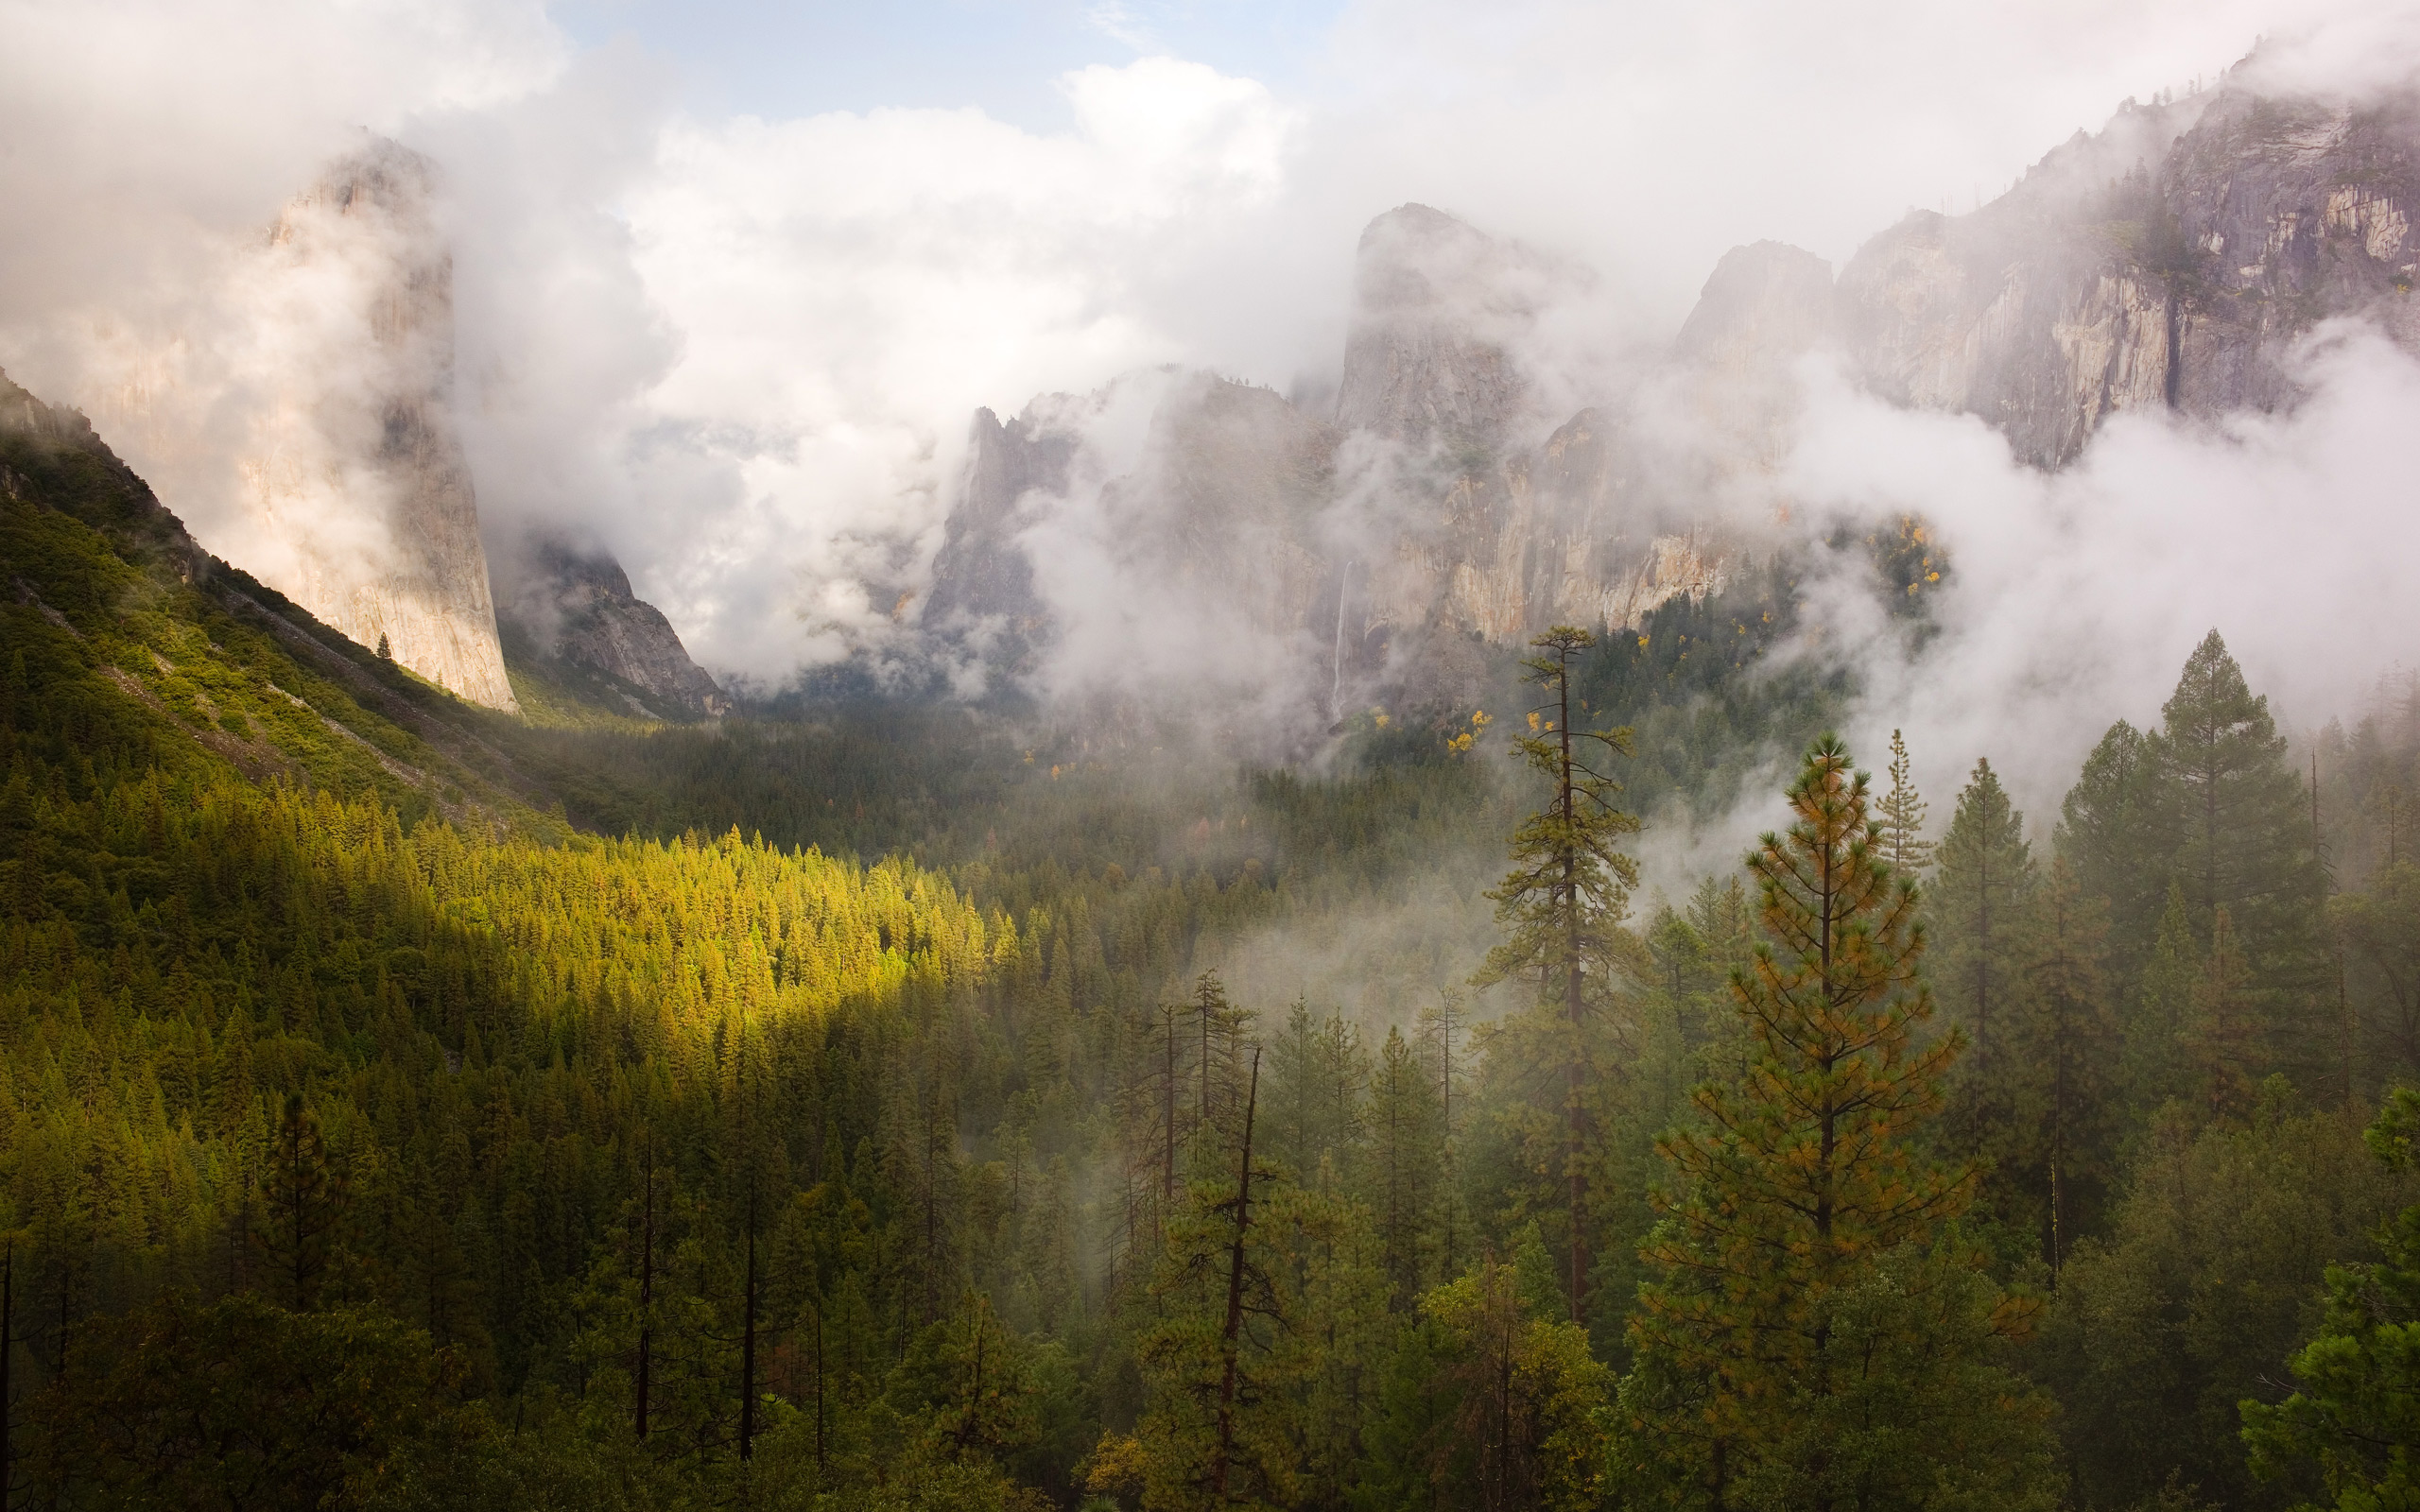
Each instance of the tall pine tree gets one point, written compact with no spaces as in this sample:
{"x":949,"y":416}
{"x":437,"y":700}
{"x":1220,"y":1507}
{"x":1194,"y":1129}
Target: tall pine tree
{"x":2243,"y":826}
{"x":2064,"y":1064}
{"x":1801,"y":1191}
{"x":1562,"y":905}
{"x":1902,"y":825}
{"x":2118,"y":832}
{"x":1984,"y":881}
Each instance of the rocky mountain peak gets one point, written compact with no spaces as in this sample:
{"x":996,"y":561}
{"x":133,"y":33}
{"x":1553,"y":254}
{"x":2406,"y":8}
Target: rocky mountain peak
{"x":2167,"y":262}
{"x":1439,"y":308}
{"x":1764,"y":305}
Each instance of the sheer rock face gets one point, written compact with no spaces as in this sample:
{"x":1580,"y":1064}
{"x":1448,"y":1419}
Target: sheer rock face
{"x":1369,"y":543}
{"x":1438,"y":309}
{"x":982,"y":579}
{"x":577,"y":609}
{"x":2167,"y":263}
{"x":354,"y":469}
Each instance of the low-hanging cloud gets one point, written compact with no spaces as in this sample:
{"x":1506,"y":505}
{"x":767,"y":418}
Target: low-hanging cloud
{"x":741,"y":353}
{"x":2075,"y":595}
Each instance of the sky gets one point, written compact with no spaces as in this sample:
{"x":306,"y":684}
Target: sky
{"x":731,"y":278}
{"x":1000,"y":57}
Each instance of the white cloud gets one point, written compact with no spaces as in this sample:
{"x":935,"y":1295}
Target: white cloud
{"x":2077,"y":595}
{"x":848,"y":290}
{"x":743,"y":353}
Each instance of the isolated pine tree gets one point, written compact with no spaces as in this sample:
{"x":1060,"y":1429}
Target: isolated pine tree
{"x":1902,"y":825}
{"x":1564,"y":902}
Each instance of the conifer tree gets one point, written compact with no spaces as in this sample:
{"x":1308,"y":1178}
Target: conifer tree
{"x":1977,"y":906}
{"x":1317,"y":1073}
{"x":1801,"y":1174}
{"x":2379,"y":931}
{"x":2118,"y":831}
{"x":1214,"y":1433}
{"x":302,"y":1198}
{"x":2064,"y":1061}
{"x":1407,"y":1167}
{"x":1902,"y":825}
{"x":2222,"y":1037}
{"x":1527,"y":1398}
{"x":1443,"y":1049}
{"x":1564,"y":902}
{"x":2244,"y":840}
{"x":2162,"y":1017}
{"x":2355,"y":1414}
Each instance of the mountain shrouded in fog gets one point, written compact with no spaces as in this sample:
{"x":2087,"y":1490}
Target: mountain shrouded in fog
{"x":1168,"y":759}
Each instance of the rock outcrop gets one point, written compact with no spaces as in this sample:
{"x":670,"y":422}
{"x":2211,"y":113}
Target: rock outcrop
{"x":578,"y":613}
{"x":355,"y":472}
{"x":2169,"y":262}
{"x":1437,"y":503}
{"x":983,"y":578}
{"x":1439,"y":312}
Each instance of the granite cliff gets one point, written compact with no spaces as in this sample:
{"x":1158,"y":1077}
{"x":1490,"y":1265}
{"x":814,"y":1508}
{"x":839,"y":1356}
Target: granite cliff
{"x":2170,"y":261}
{"x":354,"y":468}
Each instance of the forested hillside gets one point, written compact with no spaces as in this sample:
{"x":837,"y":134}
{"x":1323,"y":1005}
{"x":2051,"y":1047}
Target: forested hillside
{"x":896,"y":1105}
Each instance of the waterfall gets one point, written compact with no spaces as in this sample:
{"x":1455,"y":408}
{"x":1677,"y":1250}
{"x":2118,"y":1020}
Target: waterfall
{"x":1335,"y":662}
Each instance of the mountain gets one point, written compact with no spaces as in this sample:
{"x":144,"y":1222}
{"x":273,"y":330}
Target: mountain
{"x":178,"y":660}
{"x":2169,"y":261}
{"x":354,"y":474}
{"x":573,"y":612}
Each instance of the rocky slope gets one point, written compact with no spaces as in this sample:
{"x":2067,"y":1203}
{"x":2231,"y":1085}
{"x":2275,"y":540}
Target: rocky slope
{"x":103,"y":587}
{"x":582,"y":622}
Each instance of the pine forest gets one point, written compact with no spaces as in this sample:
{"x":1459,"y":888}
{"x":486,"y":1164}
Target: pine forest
{"x":888,"y":1102}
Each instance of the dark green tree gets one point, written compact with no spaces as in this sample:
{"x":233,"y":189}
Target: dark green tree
{"x":2118,"y":831}
{"x":2355,"y":1414}
{"x":2243,"y":826}
{"x":2064,"y":1064}
{"x":1800,"y":1191}
{"x":1977,"y":905}
{"x":1406,"y":1168}
{"x":302,"y":1201}
{"x":1564,"y":902}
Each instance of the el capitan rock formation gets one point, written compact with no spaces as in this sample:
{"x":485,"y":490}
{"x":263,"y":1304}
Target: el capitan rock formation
{"x":354,"y":466}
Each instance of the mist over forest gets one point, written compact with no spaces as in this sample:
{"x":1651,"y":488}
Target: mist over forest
{"x":1139,"y":758}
